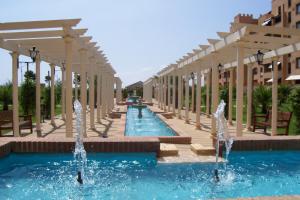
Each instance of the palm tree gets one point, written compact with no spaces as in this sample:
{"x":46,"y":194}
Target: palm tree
{"x":283,"y":92}
{"x":262,"y":96}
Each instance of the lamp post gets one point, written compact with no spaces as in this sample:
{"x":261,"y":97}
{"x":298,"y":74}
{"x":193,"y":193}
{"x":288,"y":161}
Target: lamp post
{"x":192,"y":75}
{"x":259,"y":57}
{"x":33,"y":53}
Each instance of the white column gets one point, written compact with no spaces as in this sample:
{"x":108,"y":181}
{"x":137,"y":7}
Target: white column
{"x":52,"y":66}
{"x":92,"y":93}
{"x":165,"y":92}
{"x":173,"y":92}
{"x":83,"y":93}
{"x":119,"y":90}
{"x":161,"y":93}
{"x":187,"y":106}
{"x":158,"y":92}
{"x":38,"y":95}
{"x":103,"y":95}
{"x":208,"y":77}
{"x":239,"y":91}
{"x":230,"y":96}
{"x":98,"y":96}
{"x":63,"y":96}
{"x":193,"y":96}
{"x":274,"y":97}
{"x":111,"y":92}
{"x":214,"y":95}
{"x":249,"y":96}
{"x":150,"y":91}
{"x":179,"y":107}
{"x":169,"y":93}
{"x":69,"y":99}
{"x":15,"y":57}
{"x":198,"y":100}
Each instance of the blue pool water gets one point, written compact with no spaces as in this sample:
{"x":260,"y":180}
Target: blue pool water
{"x":138,"y":176}
{"x":148,"y":125}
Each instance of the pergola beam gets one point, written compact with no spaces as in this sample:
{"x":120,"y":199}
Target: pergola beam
{"x":39,"y":24}
{"x":39,"y":34}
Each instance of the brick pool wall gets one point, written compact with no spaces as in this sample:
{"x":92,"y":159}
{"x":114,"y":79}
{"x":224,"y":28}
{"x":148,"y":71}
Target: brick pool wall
{"x":67,"y":146}
{"x":271,"y":143}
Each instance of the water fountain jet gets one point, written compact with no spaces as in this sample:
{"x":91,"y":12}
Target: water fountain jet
{"x":79,"y":152}
{"x":222,"y":136}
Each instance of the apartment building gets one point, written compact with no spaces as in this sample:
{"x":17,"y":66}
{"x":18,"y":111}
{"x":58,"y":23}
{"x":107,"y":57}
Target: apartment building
{"x":284,"y":13}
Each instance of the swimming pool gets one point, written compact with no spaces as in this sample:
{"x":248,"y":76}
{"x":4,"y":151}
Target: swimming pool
{"x":148,"y":125}
{"x":139,"y":176}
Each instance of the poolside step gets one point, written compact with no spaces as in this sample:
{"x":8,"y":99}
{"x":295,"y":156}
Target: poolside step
{"x":202,"y":150}
{"x":168,"y":150}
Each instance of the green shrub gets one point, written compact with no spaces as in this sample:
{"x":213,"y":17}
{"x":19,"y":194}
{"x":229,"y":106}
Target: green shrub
{"x":27,"y":98}
{"x":295,"y":101}
{"x":283,"y":92}
{"x":262,"y":96}
{"x":6,"y":95}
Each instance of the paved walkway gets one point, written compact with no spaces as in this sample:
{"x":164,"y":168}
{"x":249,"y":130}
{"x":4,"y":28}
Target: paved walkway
{"x":115,"y":128}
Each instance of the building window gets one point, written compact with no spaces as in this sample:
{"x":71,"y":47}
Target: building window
{"x":298,"y":62}
{"x":289,"y":17}
{"x":298,"y":8}
{"x":254,"y":71}
{"x":289,"y":3}
{"x":267,"y":68}
{"x":279,"y":67}
{"x":298,"y":25}
{"x":289,"y":68}
{"x":279,"y":10}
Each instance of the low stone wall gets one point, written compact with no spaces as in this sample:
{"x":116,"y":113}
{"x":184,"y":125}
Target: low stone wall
{"x":271,"y":143}
{"x":142,"y":145}
{"x":175,"y":139}
{"x":5,"y":148}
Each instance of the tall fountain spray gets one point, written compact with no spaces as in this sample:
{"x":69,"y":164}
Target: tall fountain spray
{"x":222,"y":135}
{"x":79,"y":153}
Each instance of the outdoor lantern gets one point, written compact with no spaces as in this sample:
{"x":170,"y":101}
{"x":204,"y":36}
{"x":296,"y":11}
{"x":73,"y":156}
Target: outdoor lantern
{"x":220,"y":67}
{"x":259,"y":57}
{"x":63,"y":66}
{"x":192,"y":75}
{"x":33,"y":53}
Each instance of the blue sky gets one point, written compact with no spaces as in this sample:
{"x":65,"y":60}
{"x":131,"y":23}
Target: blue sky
{"x":138,"y":36}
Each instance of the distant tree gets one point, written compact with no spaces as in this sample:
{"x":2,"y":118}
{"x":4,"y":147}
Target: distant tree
{"x":295,"y":101}
{"x":224,"y":96}
{"x":6,"y":95}
{"x":124,"y":93}
{"x":27,"y":97}
{"x":58,"y":86}
{"x":46,"y":96}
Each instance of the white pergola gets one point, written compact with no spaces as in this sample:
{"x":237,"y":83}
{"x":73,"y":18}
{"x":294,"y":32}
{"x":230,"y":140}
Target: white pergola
{"x":118,"y":83}
{"x":60,"y":44}
{"x":232,"y":50}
